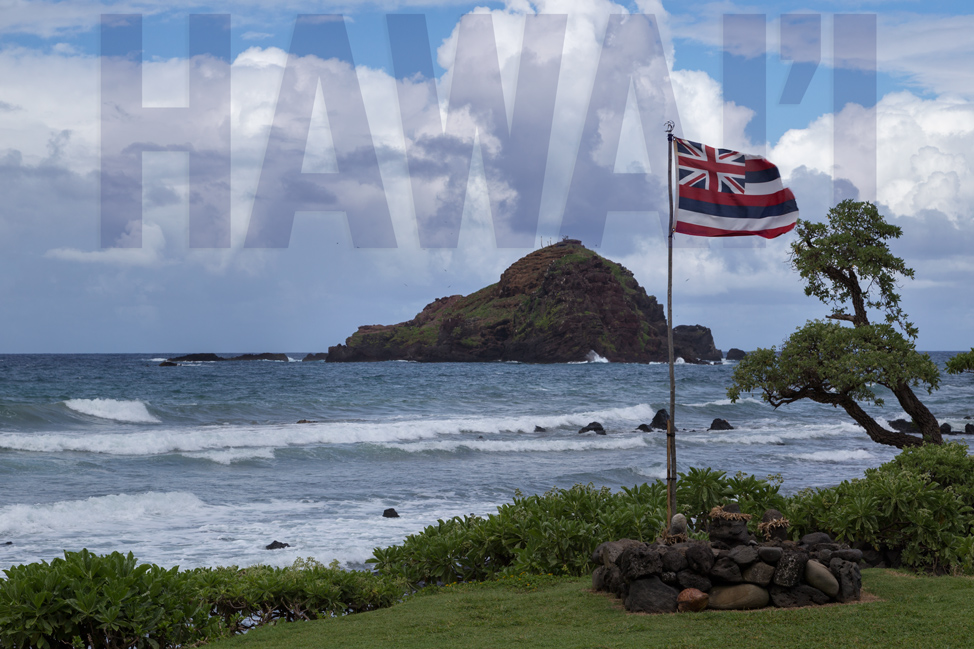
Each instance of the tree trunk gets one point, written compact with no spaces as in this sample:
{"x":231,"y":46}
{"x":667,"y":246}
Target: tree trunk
{"x":876,"y":432}
{"x":922,"y":417}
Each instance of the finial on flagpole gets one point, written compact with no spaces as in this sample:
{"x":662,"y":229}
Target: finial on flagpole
{"x":669,"y":125}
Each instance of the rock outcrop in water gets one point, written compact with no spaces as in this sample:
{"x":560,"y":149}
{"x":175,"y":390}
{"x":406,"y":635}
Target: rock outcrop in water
{"x":555,"y":305}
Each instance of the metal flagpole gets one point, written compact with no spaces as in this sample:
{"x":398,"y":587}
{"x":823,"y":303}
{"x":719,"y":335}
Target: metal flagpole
{"x":670,"y":428}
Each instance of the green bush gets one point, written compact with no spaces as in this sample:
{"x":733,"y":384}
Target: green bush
{"x":920,"y":503}
{"x":111,"y":601}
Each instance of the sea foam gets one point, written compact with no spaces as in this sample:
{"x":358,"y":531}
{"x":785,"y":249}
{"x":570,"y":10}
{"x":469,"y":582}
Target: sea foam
{"x":127,"y":411}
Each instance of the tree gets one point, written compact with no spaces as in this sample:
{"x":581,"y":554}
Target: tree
{"x":961,"y":363}
{"x":846,"y":262}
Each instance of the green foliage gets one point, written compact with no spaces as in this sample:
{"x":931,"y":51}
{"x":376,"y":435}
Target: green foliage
{"x":849,"y":249}
{"x":961,"y":363}
{"x":921,"y":502}
{"x":111,"y":601}
{"x":556,"y":532}
{"x":825,"y":361}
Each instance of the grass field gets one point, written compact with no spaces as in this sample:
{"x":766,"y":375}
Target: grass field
{"x":899,"y":610}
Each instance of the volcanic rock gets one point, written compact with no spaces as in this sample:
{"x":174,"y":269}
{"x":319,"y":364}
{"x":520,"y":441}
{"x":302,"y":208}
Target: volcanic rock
{"x":319,"y":356}
{"x":651,"y":596}
{"x":390,"y":513}
{"x":735,"y":354}
{"x":167,"y":364}
{"x":660,"y":419}
{"x":595,"y":427}
{"x":554,"y":305}
{"x":276,"y":545}
{"x":720,"y":424}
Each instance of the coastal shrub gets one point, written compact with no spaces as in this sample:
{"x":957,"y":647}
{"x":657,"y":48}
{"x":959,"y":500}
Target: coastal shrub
{"x":110,"y":601}
{"x":920,"y":504}
{"x":556,"y":532}
{"x":113,"y":602}
{"x":307,"y":590}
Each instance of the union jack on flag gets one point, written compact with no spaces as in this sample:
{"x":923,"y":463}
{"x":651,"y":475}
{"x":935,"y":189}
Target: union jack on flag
{"x":723,"y":193}
{"x":705,"y":167}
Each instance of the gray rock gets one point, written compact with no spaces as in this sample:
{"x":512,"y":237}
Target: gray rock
{"x":769,"y":553}
{"x":850,"y":580}
{"x":594,"y":427}
{"x":726,"y":570}
{"x":823,"y":556}
{"x":669,"y":578}
{"x":820,"y":577}
{"x":742,"y":596}
{"x":678,"y":525}
{"x":613,"y":549}
{"x":790,"y":568}
{"x":598,"y":578}
{"x":660,"y":419}
{"x":730,"y":532}
{"x":651,"y":596}
{"x":743,"y":555}
{"x":852,"y":555}
{"x":700,"y":557}
{"x":691,"y":579}
{"x":759,"y":573}
{"x":797,"y":596}
{"x":640,"y":561}
{"x":613,"y":581}
{"x":777,"y":532}
{"x":720,"y":424}
{"x":674,"y":560}
{"x":815,"y":538}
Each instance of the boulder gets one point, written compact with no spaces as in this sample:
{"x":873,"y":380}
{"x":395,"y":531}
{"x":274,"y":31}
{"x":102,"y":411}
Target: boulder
{"x":673,"y":559}
{"x":598,"y":578}
{"x":773,"y":525}
{"x":640,"y":561}
{"x":669,"y":578}
{"x":735,"y":354}
{"x":790,"y":568}
{"x":660,"y":419}
{"x":759,"y":573}
{"x":595,"y":427}
{"x":390,"y":513}
{"x":644,"y":428}
{"x":678,"y":525}
{"x":700,"y":558}
{"x":797,"y":596}
{"x":691,"y":600}
{"x":823,"y":556}
{"x":691,"y":579}
{"x":740,"y":597}
{"x":651,"y":595}
{"x":726,"y":570}
{"x":969,"y":429}
{"x":720,"y":424}
{"x":815,"y":538}
{"x":276,"y":545}
{"x":820,"y":577}
{"x":729,"y":526}
{"x":613,"y":549}
{"x":849,"y":577}
{"x":945,"y":429}
{"x":318,"y":356}
{"x":613,"y":581}
{"x":904,"y":426}
{"x":743,"y":555}
{"x":770,"y":554}
{"x":848,"y":554}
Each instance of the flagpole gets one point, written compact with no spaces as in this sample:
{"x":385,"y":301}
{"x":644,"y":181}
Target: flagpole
{"x":670,"y":428}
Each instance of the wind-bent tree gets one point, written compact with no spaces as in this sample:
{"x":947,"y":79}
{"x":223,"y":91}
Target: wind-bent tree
{"x":961,"y":363}
{"x":846,"y":263}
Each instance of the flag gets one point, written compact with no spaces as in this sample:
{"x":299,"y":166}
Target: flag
{"x":723,"y":193}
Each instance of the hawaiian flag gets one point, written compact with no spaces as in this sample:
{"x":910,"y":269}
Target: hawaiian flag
{"x":724,"y":193}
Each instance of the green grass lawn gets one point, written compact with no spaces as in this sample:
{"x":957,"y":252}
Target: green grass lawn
{"x":904,"y":611}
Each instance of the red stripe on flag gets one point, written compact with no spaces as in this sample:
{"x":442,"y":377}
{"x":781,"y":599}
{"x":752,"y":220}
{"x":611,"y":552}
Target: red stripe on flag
{"x":726,"y":198}
{"x":704,"y":231}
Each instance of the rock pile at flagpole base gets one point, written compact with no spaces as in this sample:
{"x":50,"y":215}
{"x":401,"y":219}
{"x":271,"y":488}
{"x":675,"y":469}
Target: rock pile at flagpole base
{"x":731,"y":571}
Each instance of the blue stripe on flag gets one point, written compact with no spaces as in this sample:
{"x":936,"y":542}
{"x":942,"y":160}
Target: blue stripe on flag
{"x":738,"y":211}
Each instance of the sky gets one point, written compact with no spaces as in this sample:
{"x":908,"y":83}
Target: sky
{"x":293,"y":170}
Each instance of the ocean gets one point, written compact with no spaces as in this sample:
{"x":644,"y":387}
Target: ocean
{"x":204,"y":464}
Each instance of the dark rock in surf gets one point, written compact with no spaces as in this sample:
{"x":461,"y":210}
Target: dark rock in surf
{"x":735,"y":354}
{"x":660,"y":419}
{"x":539,"y":429}
{"x":277,"y":545}
{"x":390,"y":513}
{"x":720,"y":424}
{"x":318,"y":356}
{"x":167,"y":364}
{"x":196,"y":358}
{"x":593,"y":427}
